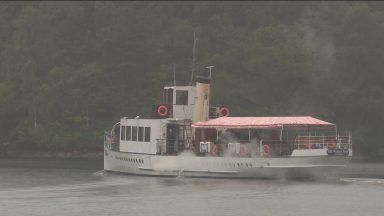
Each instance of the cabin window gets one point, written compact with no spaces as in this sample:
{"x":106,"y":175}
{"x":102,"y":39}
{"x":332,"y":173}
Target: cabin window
{"x":134,"y":133}
{"x":181,"y":97}
{"x":147,"y":136}
{"x":122,"y":134}
{"x":168,"y":96}
{"x":141,"y":134}
{"x":129,"y":132}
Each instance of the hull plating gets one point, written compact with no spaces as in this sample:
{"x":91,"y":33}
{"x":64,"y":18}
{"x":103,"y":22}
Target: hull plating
{"x":224,"y":167}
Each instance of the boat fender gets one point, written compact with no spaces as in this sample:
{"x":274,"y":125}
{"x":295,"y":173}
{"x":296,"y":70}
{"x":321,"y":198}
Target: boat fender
{"x":162,"y":110}
{"x":224,"y":111}
{"x":266,"y":149}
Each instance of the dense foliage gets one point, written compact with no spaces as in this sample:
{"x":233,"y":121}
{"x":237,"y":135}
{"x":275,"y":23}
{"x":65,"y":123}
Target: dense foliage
{"x":69,"y":70}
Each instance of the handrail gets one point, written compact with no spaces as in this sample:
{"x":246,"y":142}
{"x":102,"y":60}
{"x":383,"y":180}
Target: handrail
{"x":341,"y":140}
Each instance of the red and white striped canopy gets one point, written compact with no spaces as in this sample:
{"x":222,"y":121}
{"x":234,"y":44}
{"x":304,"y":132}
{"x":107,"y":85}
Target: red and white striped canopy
{"x":263,"y":122}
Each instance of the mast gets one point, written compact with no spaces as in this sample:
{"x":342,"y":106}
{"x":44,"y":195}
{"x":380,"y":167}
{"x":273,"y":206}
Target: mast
{"x":174,"y":74}
{"x":193,"y":58}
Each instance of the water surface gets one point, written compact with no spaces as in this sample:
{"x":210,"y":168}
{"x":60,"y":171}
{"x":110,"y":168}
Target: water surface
{"x":78,"y":187}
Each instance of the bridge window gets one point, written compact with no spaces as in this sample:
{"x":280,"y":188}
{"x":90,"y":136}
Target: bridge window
{"x":168,"y":96}
{"x":129,"y":132}
{"x":134,"y":133}
{"x":122,"y":134}
{"x":141,"y":134}
{"x":147,"y":134}
{"x":181,"y":97}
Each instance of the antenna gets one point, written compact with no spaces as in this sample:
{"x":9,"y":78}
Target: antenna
{"x":210,"y":71}
{"x":174,"y":74}
{"x":193,"y":57}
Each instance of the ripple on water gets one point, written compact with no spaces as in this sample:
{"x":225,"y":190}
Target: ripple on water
{"x":364,"y":180}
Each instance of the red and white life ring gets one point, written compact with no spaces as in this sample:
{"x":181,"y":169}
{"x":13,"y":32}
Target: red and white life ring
{"x":162,"y":110}
{"x":266,"y":150}
{"x":224,"y":111}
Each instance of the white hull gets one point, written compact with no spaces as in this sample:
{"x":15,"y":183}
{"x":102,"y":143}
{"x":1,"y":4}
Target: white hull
{"x":224,"y":167}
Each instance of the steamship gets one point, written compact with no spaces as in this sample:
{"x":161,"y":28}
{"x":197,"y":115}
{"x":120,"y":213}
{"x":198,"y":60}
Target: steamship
{"x":187,"y":136}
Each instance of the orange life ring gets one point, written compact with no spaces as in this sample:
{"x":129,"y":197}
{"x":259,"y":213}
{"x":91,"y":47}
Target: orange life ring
{"x":266,"y":149}
{"x":214,"y":150}
{"x":224,"y":111}
{"x":162,"y":110}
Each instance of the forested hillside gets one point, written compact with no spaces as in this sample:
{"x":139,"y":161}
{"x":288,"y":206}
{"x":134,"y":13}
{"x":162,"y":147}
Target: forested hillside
{"x":69,"y":70}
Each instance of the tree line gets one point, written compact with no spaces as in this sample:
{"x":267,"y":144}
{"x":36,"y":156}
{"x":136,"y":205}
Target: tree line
{"x":70,"y":70}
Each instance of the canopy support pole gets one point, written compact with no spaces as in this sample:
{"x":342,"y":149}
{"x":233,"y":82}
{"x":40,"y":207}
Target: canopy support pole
{"x":249,"y":135}
{"x":281,"y":136}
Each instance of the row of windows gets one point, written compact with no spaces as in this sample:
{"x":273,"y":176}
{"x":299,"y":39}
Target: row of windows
{"x":130,"y":160}
{"x":133,"y":133}
{"x":181,"y":97}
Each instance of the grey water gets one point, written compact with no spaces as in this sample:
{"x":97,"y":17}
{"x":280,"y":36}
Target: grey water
{"x":80,"y":187}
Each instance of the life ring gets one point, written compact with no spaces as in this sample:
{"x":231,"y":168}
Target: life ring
{"x":162,"y":110}
{"x":214,"y":150}
{"x":266,"y":149}
{"x":224,"y":111}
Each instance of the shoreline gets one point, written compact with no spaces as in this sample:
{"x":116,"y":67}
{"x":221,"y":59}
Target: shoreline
{"x":59,"y":155}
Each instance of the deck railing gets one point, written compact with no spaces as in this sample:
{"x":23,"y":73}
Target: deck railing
{"x":342,"y":140}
